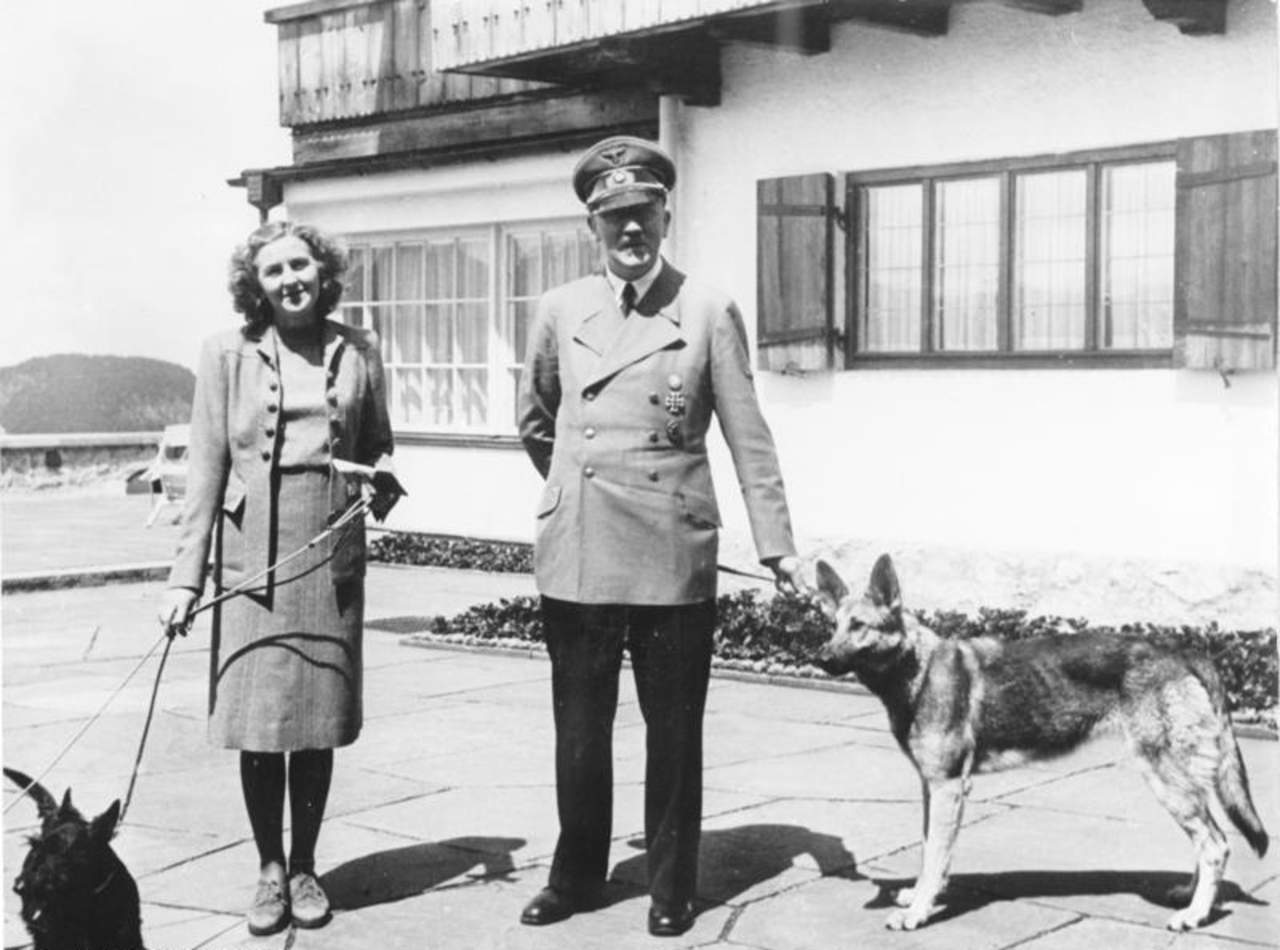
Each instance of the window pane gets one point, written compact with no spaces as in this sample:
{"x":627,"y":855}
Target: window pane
{"x":473,"y":396}
{"x":439,"y":397}
{"x":440,"y":268}
{"x":382,"y":273}
{"x":438,"y":333}
{"x":473,"y":269}
{"x":524,"y":257}
{"x":967,"y":264}
{"x":410,"y":279}
{"x":406,"y":396}
{"x":353,"y":280}
{"x":1137,"y":256}
{"x":1049,"y":266}
{"x":407,"y":334}
{"x":891,"y":278}
{"x":472,"y":333}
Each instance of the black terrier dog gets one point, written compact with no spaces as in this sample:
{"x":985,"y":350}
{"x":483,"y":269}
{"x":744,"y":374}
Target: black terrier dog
{"x":76,"y":893}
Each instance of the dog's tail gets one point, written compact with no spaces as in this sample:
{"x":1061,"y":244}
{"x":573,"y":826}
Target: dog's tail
{"x":1233,"y":787}
{"x":46,"y":804}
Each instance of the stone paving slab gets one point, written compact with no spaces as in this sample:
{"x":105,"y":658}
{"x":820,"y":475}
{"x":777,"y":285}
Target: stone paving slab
{"x":1085,"y":865}
{"x":841,"y":912}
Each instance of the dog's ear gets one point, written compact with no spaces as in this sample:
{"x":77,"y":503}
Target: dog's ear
{"x":102,"y":828}
{"x":831,"y":589}
{"x":883,"y":591}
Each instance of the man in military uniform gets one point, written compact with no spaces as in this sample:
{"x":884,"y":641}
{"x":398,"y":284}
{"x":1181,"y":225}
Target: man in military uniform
{"x":625,"y":369}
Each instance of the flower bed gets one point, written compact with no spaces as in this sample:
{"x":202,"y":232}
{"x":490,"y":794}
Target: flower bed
{"x":779,"y":636}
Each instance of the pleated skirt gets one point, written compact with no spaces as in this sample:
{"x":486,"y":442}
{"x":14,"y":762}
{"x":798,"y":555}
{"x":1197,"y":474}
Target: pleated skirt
{"x":286,"y":668}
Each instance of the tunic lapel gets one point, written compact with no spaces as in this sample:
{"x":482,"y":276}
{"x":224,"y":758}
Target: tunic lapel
{"x":654,"y":326}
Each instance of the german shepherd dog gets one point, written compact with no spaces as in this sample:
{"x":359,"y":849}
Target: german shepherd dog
{"x":76,"y":892}
{"x":959,"y":707}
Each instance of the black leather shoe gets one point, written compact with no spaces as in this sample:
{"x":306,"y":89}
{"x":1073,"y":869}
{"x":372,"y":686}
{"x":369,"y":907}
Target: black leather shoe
{"x":550,"y":906}
{"x":670,"y":921}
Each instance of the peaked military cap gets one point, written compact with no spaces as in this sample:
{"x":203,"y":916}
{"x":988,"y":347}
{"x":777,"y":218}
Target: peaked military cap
{"x":621,"y":171}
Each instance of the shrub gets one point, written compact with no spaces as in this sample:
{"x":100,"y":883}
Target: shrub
{"x":783,"y":635}
{"x":506,"y":557}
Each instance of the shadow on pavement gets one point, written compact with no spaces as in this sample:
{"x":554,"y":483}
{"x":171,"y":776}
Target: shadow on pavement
{"x":734,"y":860}
{"x":968,"y":892}
{"x":387,"y":876}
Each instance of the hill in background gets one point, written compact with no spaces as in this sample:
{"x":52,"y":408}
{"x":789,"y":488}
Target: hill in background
{"x":76,"y":393}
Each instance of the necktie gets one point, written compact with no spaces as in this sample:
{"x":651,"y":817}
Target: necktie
{"x":628,"y":298}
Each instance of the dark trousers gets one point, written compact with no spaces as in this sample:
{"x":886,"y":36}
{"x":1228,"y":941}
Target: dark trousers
{"x":670,"y":651}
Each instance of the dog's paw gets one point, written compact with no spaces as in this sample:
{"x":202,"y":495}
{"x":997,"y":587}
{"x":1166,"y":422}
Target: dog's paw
{"x":1186,"y":920}
{"x":905,"y":897}
{"x":906,"y":918}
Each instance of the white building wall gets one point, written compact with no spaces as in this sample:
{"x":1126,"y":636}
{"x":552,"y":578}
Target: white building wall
{"x":1156,"y":466}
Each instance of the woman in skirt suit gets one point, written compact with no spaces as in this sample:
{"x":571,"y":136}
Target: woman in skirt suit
{"x":277,"y":403}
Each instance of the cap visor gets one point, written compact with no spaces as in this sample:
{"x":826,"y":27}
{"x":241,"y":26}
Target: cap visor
{"x":627,"y":199}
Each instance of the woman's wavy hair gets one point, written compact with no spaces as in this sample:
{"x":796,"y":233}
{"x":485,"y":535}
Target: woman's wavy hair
{"x":246,"y":293}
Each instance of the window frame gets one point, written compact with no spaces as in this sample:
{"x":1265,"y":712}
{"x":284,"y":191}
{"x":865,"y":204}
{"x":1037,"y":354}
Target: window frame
{"x":1093,"y":161}
{"x":358,"y":312}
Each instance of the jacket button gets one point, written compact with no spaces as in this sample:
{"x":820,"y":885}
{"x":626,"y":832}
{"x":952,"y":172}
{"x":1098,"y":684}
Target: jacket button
{"x":590,"y":433}
{"x":653,"y":437}
{"x":653,"y":476}
{"x":589,"y":472}
{"x":272,"y":407}
{"x":333,"y":397}
{"x":270,"y":433}
{"x":266,"y":455}
{"x":273,"y":385}
{"x":653,"y":398}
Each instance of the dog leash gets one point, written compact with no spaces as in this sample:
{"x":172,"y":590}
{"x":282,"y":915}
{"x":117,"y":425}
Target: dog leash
{"x":167,"y":637}
{"x":724,"y":569}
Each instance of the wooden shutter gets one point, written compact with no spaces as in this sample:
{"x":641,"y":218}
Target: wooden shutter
{"x":1224,"y":314}
{"x":795,"y":239}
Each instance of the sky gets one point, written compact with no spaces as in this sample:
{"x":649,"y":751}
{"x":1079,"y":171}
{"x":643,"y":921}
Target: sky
{"x":119,"y":127}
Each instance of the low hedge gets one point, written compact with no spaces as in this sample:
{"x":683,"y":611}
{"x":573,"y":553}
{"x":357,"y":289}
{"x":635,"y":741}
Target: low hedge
{"x":468,"y":554}
{"x":782,"y":635}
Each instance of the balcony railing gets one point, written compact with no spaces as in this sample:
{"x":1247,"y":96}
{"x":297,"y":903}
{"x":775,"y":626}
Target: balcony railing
{"x":345,"y":59}
{"x":471,"y":32}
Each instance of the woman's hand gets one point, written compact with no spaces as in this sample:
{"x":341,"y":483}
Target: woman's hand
{"x":176,"y":605}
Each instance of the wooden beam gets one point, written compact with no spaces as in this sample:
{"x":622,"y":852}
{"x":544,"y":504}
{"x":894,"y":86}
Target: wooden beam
{"x":922,"y":17}
{"x":803,"y":30}
{"x":1047,"y":7}
{"x":447,"y":133}
{"x":1192,"y":17}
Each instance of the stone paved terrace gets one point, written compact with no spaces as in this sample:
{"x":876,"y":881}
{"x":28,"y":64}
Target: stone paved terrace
{"x":442,"y":817}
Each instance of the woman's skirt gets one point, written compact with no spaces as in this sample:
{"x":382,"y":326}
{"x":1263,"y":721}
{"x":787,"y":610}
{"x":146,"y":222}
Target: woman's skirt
{"x":286,"y":667}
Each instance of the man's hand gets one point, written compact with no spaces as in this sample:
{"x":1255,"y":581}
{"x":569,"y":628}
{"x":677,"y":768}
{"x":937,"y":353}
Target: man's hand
{"x":174,"y":612}
{"x":787,"y":576}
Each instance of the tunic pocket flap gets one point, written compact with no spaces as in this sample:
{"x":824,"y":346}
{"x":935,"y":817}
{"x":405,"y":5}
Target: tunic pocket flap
{"x":699,"y":508}
{"x":233,"y":497}
{"x":550,"y":500}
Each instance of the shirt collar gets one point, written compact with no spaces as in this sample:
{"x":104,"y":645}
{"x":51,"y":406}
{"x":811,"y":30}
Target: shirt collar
{"x":641,"y":283}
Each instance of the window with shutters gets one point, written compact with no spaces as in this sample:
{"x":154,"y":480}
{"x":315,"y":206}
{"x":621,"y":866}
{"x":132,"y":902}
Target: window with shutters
{"x":452,"y":309}
{"x":1061,"y":259}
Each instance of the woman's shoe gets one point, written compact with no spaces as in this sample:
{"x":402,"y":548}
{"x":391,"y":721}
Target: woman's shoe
{"x":309,"y":901}
{"x":269,"y":912}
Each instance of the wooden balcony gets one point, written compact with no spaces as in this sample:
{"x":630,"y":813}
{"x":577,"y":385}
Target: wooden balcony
{"x":673,"y":45}
{"x":347,"y":59}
